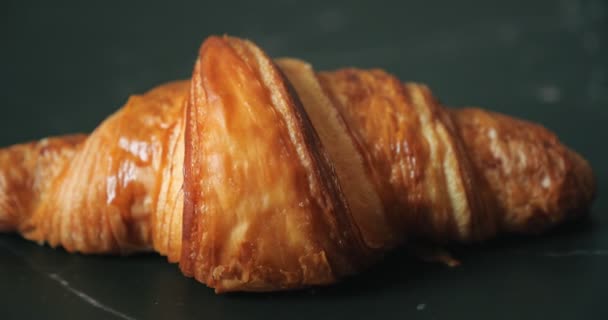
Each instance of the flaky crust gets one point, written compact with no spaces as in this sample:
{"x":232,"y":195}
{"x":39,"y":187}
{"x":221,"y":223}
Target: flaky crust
{"x":263,"y":208}
{"x":98,"y":194}
{"x":536,"y":181}
{"x":258,"y":175}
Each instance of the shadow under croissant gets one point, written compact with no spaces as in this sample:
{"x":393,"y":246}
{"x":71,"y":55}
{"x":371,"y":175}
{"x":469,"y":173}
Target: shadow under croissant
{"x":398,"y":270}
{"x":401,"y":269}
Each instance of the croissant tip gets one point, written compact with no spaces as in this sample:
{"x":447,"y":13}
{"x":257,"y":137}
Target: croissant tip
{"x":587,"y":181}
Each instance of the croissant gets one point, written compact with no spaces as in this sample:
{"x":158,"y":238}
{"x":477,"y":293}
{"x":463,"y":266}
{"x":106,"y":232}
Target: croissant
{"x":261,"y":175}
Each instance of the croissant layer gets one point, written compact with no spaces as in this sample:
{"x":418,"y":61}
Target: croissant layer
{"x":260,"y":175}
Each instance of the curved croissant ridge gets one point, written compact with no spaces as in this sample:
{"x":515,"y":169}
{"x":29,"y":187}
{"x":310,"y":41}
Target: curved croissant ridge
{"x":261,"y":175}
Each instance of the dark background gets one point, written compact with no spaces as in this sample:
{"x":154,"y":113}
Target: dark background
{"x":65,"y":66}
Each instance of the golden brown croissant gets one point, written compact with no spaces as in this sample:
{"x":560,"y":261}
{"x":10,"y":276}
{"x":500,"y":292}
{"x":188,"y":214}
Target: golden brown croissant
{"x":258,"y":175}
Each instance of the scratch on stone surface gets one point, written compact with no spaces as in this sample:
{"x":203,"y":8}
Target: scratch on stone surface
{"x":55,"y":277}
{"x":85,"y":297}
{"x":572,"y":253}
